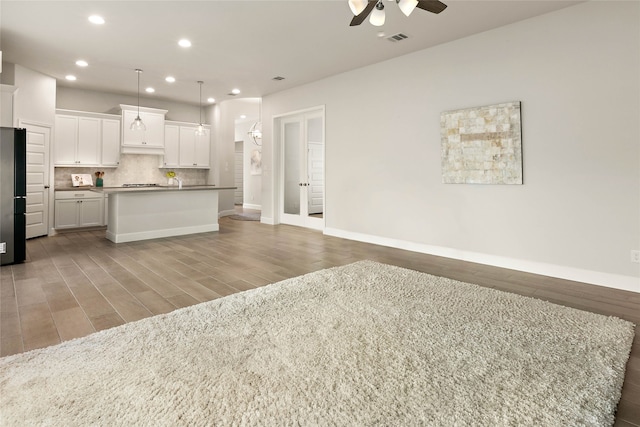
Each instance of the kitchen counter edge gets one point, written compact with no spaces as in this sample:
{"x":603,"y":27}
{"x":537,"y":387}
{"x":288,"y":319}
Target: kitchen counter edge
{"x":111,"y":190}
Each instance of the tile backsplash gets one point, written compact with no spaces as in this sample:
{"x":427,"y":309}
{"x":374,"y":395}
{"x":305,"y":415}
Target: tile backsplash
{"x":133,"y":169}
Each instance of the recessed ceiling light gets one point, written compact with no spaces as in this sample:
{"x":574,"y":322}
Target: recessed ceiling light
{"x":96,"y":19}
{"x":81,"y":63}
{"x":211,"y":100}
{"x":70,"y":77}
{"x":149,"y":90}
{"x":235,"y":91}
{"x":184,"y":43}
{"x":170,"y":79}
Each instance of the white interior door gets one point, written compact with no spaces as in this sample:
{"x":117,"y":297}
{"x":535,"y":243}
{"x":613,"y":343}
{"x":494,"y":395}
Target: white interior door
{"x":302,"y":171}
{"x":38,"y":143}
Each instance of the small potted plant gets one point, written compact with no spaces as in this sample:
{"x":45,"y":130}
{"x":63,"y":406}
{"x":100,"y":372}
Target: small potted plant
{"x":99,"y":181}
{"x":170,"y":175}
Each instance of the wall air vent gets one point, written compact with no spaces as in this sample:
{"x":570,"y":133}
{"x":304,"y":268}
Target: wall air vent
{"x":397,"y":37}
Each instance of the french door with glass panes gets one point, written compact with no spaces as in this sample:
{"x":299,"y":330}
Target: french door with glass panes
{"x":302,"y":172}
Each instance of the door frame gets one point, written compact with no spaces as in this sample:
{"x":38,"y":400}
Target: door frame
{"x":278,"y":156}
{"x":49,"y":194}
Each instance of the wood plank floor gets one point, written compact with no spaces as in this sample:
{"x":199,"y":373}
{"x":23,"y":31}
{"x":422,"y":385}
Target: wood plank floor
{"x":77,"y":283}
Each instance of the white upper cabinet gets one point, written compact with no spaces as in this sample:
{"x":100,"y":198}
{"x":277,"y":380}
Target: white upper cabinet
{"x":149,"y":141}
{"x":110,"y":142}
{"x":7,"y":93}
{"x":171,"y":146}
{"x":184,"y":149}
{"x":88,"y":148}
{"x":77,"y":141}
{"x":86,"y":139}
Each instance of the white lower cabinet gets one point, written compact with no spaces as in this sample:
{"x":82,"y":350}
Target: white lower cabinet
{"x":78,"y":209}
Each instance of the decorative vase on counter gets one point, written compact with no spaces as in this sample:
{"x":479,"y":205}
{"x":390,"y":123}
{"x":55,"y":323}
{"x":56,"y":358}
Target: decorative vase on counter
{"x":99,"y":182}
{"x":170,"y":181}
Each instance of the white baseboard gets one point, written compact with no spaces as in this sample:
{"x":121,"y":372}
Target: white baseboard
{"x":616,"y":281}
{"x":156,"y":234}
{"x":267,"y":220}
{"x":250,"y":206}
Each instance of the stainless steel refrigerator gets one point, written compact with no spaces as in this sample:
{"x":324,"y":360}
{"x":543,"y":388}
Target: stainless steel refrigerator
{"x":13,"y":195}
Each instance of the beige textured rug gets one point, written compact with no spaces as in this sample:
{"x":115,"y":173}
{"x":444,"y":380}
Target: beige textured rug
{"x":361,"y":345}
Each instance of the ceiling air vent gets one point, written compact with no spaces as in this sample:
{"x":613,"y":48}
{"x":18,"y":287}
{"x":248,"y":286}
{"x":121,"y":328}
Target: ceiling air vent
{"x":397,"y":37}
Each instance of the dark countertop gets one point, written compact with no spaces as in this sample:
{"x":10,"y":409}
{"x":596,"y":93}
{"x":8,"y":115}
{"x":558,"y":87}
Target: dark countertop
{"x":111,"y":190}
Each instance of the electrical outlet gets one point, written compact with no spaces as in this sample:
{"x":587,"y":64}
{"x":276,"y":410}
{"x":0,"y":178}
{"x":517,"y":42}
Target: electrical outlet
{"x":3,"y":248}
{"x":635,"y":256}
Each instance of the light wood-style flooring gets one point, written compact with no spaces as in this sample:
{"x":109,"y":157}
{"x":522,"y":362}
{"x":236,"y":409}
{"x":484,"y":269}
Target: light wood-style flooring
{"x":77,"y":283}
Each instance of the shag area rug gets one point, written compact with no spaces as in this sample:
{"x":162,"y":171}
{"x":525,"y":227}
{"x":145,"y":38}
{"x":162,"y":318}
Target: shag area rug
{"x":247,"y":216}
{"x":361,"y":345}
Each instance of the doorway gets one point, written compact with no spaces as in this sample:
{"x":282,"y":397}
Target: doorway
{"x":302,"y":171}
{"x":38,"y":142}
{"x":239,"y":174}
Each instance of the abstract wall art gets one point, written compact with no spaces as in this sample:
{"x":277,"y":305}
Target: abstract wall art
{"x":256,"y":162}
{"x":482,"y":145}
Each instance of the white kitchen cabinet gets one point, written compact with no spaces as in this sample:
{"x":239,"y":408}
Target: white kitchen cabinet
{"x":171,"y":146}
{"x":149,"y":141}
{"x":194,"y":149}
{"x":86,"y":139}
{"x":7,"y":96}
{"x":77,"y":141}
{"x":78,"y":209}
{"x":184,"y":149}
{"x":110,"y":142}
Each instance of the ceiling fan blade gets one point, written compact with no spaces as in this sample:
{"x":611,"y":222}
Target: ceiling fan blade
{"x":359,"y":19}
{"x":433,"y":6}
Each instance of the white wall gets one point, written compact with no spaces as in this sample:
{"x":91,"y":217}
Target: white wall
{"x":35,"y":99}
{"x":224,"y":142}
{"x":252,"y":184}
{"x":109,"y":103}
{"x":578,"y":213}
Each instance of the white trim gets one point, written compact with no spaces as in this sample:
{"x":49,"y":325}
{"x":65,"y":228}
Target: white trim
{"x":155,"y":234}
{"x":280,"y":217}
{"x":609,"y":280}
{"x":303,"y":111}
{"x":23,"y":123}
{"x":250,"y":206}
{"x":267,"y":220}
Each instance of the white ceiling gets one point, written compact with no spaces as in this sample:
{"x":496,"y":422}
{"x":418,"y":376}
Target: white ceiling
{"x":236,"y":43}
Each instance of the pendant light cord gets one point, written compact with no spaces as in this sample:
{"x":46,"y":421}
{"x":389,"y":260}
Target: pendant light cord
{"x":138,"y":71}
{"x":200,"y":109}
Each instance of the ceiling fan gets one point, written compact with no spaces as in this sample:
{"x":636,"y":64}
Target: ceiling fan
{"x":362,"y":8}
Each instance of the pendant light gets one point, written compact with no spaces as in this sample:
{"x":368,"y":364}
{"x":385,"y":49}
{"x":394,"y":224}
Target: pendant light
{"x":377,"y":16}
{"x":137,"y":122}
{"x":255,"y":132}
{"x":200,"y":130}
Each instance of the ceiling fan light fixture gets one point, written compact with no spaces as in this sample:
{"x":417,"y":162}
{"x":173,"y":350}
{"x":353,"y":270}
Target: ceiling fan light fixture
{"x":377,"y":16}
{"x":357,"y":6}
{"x":137,"y":124}
{"x":407,"y":6}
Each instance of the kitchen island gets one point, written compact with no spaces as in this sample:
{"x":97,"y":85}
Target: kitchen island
{"x":142,"y":213}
